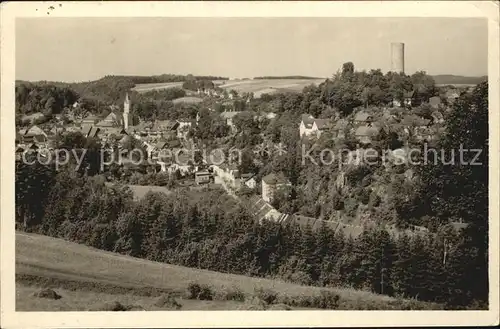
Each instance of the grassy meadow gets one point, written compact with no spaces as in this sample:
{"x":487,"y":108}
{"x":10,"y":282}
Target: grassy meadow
{"x":89,"y":279}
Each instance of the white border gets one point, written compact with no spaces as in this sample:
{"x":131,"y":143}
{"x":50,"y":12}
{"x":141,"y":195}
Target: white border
{"x":194,"y":319}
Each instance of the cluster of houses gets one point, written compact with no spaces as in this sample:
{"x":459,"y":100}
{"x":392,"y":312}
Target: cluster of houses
{"x":364,"y":126}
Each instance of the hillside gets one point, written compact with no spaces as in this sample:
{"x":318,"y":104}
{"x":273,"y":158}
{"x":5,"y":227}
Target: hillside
{"x":449,"y":79}
{"x":257,"y":86}
{"x":86,"y":277}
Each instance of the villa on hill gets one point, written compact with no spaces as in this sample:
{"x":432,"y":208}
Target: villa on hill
{"x":309,"y":126}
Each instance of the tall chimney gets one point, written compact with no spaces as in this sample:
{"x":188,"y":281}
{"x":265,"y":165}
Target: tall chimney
{"x":126,"y":109}
{"x":398,"y":57}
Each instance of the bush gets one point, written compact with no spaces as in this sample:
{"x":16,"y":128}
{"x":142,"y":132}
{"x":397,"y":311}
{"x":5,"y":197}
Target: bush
{"x":267,"y":295}
{"x":231,"y":294}
{"x":325,"y":300}
{"x":200,"y":292}
{"x":168,"y":301}
{"x":337,"y":202}
{"x":374,"y":200}
{"x":48,"y":294}
{"x":364,"y":196}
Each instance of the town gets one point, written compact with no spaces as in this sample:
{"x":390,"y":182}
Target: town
{"x":209,"y":172}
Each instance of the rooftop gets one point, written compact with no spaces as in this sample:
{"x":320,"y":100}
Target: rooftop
{"x":274,"y":179}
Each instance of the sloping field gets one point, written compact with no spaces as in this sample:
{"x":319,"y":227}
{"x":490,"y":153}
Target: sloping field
{"x":188,"y":100}
{"x":83,"y":275}
{"x":144,"y":87}
{"x":259,"y":87}
{"x":140,"y":191}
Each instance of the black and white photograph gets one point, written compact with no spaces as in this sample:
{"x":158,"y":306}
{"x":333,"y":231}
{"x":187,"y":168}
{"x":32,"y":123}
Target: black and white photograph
{"x":257,"y":163}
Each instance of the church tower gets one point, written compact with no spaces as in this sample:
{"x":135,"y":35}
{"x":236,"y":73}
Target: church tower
{"x":126,"y":111}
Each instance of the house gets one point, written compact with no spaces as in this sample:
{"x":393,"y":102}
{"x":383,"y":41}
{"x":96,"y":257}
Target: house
{"x":251,"y":183}
{"x":437,"y":117}
{"x":163,"y":125}
{"x":182,"y":128}
{"x":270,"y":115}
{"x":19,"y":152}
{"x":363,"y":117}
{"x":261,"y":210}
{"x":452,"y":95}
{"x":229,"y":117}
{"x":202,"y":177}
{"x":366,"y":133}
{"x":111,"y":120}
{"x":90,"y":120}
{"x":435,"y":102}
{"x":309,"y":126}
{"x":271,"y":184}
{"x":34,"y":134}
{"x":181,"y":165}
{"x":407,"y":99}
{"x":424,"y":133}
{"x":90,"y":131}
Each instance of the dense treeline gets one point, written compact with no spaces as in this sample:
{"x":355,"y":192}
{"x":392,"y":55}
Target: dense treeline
{"x":210,"y":230}
{"x":47,"y":99}
{"x":51,"y":97}
{"x":163,"y":78}
{"x":298,"y":77}
{"x":445,"y":79}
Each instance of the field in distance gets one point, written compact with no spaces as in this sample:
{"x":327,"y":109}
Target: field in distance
{"x":256,"y":86}
{"x":91,"y":279}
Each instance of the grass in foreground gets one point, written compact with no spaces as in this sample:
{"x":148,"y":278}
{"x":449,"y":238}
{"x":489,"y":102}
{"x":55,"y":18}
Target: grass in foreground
{"x":85,"y":276}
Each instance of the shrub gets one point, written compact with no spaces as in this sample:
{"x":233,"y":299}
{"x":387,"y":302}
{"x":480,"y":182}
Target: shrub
{"x":326,"y":300}
{"x":168,"y":301}
{"x":231,"y":294}
{"x":337,"y":202}
{"x":364,"y":196}
{"x":47,"y":293}
{"x":200,"y":292}
{"x":267,"y":295}
{"x":374,"y":200}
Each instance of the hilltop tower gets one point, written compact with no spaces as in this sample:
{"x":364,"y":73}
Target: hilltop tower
{"x":398,"y":57}
{"x":126,"y":111}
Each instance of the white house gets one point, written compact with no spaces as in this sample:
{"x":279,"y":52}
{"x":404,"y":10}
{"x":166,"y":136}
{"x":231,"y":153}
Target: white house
{"x":407,"y":99}
{"x":309,"y":126}
{"x":182,"y":127}
{"x":251,"y":183}
{"x":271,"y":184}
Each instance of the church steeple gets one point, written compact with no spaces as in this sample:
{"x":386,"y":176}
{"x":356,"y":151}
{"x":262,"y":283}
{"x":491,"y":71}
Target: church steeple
{"x":126,"y":111}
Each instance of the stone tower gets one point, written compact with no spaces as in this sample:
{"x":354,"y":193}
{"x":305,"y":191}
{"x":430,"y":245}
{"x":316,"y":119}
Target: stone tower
{"x":126,"y":111}
{"x":398,"y":57}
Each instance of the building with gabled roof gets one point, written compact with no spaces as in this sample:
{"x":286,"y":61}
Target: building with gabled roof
{"x":435,"y":102}
{"x":271,"y":184}
{"x":406,"y":101}
{"x":366,"y":133}
{"x":363,"y":117}
{"x":310,"y":126}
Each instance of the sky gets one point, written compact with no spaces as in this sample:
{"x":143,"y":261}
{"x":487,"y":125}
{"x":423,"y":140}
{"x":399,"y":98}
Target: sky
{"x":83,"y":49}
